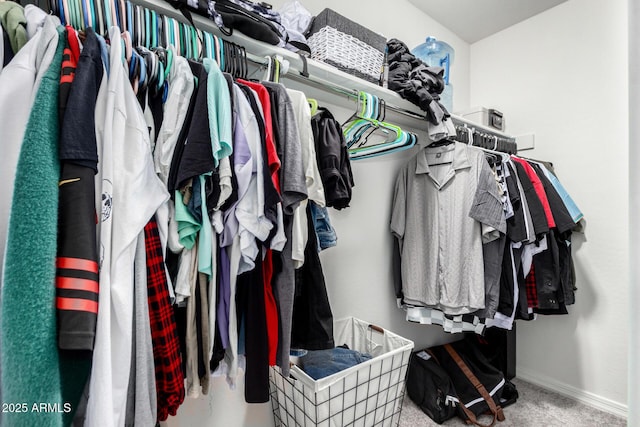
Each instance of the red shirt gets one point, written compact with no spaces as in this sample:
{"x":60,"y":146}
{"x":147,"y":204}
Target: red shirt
{"x":164,"y":336}
{"x":74,"y":45}
{"x":271,"y":308}
{"x":539,"y":189}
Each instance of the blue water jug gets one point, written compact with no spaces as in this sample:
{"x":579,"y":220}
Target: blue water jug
{"x":437,"y":53}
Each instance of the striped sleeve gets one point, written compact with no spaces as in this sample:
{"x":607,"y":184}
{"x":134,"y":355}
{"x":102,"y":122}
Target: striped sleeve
{"x":77,"y":272}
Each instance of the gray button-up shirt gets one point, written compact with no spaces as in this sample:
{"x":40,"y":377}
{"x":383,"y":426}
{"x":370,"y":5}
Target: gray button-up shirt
{"x":437,"y":212}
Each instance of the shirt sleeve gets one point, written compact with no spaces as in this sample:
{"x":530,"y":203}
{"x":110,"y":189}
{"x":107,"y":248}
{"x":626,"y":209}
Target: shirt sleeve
{"x":487,"y":207}
{"x":398,"y":208}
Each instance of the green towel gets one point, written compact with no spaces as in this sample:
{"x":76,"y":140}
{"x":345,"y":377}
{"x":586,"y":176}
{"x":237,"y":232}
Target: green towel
{"x":14,"y":23}
{"x":30,"y":363}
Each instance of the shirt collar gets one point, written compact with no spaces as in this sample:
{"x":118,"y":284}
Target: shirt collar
{"x":460,"y":158}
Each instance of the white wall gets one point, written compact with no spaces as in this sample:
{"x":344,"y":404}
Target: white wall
{"x":563,"y":76}
{"x":358,"y":270}
{"x":402,"y":20}
{"x":634,"y":208}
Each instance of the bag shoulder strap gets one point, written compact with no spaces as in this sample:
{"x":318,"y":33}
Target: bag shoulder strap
{"x":495,"y":410}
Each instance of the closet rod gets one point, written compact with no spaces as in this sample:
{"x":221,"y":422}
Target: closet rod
{"x":352,"y":93}
{"x":324,"y":84}
{"x":295,"y":74}
{"x":458,"y":121}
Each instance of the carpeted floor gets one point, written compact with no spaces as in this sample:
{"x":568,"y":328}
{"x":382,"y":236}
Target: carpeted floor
{"x":536,"y":407}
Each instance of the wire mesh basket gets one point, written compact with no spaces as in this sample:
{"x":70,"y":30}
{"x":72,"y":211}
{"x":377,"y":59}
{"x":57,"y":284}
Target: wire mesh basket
{"x":346,"y":53}
{"x":368,"y":394}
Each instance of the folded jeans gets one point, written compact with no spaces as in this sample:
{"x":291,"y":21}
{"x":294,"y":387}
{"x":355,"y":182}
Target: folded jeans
{"x":322,"y":363}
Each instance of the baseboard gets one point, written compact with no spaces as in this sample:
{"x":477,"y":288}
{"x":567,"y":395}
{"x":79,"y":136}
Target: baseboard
{"x":588,"y":398}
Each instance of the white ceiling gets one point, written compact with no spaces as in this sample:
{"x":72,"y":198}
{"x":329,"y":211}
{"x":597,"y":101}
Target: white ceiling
{"x":473,"y":20}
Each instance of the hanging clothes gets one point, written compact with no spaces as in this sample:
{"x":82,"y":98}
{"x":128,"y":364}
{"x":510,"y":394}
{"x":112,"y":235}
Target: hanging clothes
{"x":14,"y":22}
{"x":312,"y":324}
{"x":77,"y":260}
{"x":142,"y":406}
{"x":313,"y":181}
{"x":77,"y":278}
{"x":289,"y":149}
{"x":126,"y":183}
{"x":169,"y":287}
{"x":526,"y":265}
{"x":246,"y":133}
{"x":167,"y":358}
{"x":542,"y":281}
{"x":333,"y":159}
{"x":251,"y":318}
{"x":557,"y":281}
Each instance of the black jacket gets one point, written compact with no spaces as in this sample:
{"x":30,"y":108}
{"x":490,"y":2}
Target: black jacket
{"x":333,"y":159}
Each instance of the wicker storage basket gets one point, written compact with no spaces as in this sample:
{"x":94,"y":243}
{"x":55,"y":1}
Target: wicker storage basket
{"x":347,"y":45}
{"x":365,"y":395}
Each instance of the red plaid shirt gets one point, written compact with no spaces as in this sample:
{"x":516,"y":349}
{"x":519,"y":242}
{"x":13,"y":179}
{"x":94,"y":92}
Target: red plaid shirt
{"x":166,"y":348}
{"x":532,"y":290}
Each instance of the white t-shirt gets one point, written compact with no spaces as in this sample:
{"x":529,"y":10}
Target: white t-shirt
{"x":313,"y":181}
{"x":129,"y":193}
{"x":252,"y":221}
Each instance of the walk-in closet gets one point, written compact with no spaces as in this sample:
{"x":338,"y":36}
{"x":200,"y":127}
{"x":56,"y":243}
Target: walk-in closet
{"x":190,"y":216}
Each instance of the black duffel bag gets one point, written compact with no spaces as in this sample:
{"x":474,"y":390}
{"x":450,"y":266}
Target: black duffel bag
{"x":248,"y":22}
{"x":477,"y":383}
{"x":430,"y":388}
{"x":230,"y":16}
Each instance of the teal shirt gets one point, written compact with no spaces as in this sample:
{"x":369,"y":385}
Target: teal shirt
{"x":219,"y":106}
{"x":191,"y":231}
{"x":188,"y":227}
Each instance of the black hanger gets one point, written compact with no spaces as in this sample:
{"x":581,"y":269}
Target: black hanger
{"x":236,"y":61}
{"x":245,"y":65}
{"x":161,"y":32}
{"x":232,"y":56}
{"x":356,"y":114}
{"x":492,"y":159}
{"x":225,"y":53}
{"x":272,"y":70}
{"x":441,"y":142}
{"x":382,"y":111}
